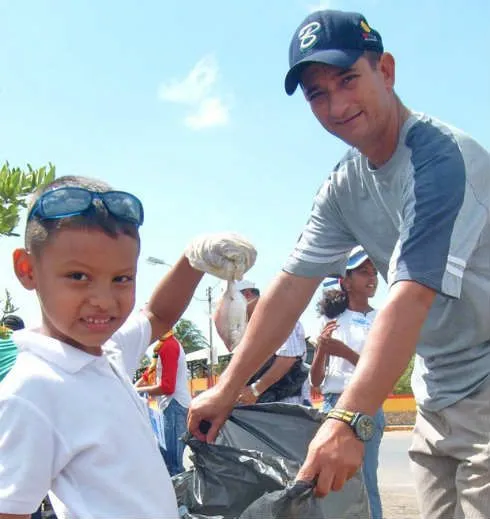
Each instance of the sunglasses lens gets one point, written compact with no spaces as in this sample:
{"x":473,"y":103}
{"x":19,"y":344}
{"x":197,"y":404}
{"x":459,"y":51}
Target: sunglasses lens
{"x":65,"y":201}
{"x":124,"y":205}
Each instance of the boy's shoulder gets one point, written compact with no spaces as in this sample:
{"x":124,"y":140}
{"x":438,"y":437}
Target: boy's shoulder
{"x":42,"y":363}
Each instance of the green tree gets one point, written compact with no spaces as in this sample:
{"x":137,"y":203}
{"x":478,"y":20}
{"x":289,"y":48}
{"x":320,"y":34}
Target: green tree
{"x":15,"y":186}
{"x":8,"y":306}
{"x":190,"y":336}
{"x":403,"y":386}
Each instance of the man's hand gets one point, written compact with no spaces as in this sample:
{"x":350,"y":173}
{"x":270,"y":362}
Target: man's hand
{"x":224,"y":255}
{"x":334,"y":456}
{"x":212,"y":406}
{"x":247,"y":397}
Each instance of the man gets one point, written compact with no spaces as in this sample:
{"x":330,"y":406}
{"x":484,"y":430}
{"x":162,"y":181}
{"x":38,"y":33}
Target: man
{"x":415,"y":193}
{"x":281,"y":378}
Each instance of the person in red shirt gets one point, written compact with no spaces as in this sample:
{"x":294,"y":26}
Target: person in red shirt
{"x":165,"y":380}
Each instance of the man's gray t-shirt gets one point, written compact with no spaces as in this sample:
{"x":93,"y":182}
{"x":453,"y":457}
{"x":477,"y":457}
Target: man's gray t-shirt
{"x":423,"y":216}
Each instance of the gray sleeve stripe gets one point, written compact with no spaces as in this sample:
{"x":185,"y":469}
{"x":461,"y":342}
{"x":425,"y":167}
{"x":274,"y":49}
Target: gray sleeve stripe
{"x":309,"y":257}
{"x":438,"y":191}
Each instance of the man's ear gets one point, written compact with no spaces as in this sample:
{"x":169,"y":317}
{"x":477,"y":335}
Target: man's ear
{"x":387,"y":67}
{"x":23,"y":268}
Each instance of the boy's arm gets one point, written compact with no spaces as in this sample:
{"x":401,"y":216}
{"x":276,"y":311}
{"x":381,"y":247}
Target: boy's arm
{"x":171,"y":297}
{"x":26,"y":475}
{"x":227,"y":256}
{"x":13,"y":516}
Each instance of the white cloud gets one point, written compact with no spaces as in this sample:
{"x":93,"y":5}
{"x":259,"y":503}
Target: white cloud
{"x":210,"y":112}
{"x":195,"y":86}
{"x":198,"y":90}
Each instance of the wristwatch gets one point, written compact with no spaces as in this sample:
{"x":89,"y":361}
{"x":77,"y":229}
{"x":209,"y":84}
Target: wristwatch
{"x":362,"y":424}
{"x":253,"y":387}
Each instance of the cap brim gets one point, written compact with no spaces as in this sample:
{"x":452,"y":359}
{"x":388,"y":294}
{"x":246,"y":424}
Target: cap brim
{"x":334,"y":57}
{"x":357,"y":260}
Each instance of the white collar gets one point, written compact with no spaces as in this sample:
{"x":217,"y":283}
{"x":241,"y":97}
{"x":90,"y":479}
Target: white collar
{"x":67,"y":357}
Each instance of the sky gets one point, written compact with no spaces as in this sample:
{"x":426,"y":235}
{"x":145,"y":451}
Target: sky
{"x":182,"y":104}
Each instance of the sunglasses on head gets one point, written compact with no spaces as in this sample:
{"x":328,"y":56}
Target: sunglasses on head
{"x":63,"y":202}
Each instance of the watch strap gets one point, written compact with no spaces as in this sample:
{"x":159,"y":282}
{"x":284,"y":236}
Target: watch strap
{"x":255,"y":391}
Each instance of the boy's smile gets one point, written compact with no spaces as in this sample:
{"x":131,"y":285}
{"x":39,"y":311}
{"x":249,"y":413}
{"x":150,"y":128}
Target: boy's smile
{"x":85,"y":282}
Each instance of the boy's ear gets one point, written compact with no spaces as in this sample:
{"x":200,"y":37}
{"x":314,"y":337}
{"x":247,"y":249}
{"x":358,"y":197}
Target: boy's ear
{"x":23,"y":268}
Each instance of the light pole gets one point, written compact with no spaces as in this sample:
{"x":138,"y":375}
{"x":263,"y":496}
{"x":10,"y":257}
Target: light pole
{"x":211,"y":348}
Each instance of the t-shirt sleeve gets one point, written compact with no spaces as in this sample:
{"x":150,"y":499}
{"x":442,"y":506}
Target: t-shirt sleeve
{"x":442,"y":219}
{"x":132,"y":339}
{"x":323,"y":246}
{"x":295,"y":345}
{"x":27,"y":447}
{"x":169,"y":356}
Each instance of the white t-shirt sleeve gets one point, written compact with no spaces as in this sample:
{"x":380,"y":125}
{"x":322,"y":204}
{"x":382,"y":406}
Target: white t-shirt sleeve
{"x":27,"y":447}
{"x":295,"y":345}
{"x":132,"y":340}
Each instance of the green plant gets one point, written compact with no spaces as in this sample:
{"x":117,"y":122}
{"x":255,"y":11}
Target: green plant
{"x":403,"y":387}
{"x":15,"y":186}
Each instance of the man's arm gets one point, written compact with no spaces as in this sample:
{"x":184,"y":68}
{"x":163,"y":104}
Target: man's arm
{"x":172,"y":296}
{"x":278,"y":369}
{"x":14,"y":516}
{"x":335,"y":453}
{"x":389,"y":347}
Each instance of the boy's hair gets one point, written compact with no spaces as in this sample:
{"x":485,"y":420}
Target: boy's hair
{"x":38,"y":231}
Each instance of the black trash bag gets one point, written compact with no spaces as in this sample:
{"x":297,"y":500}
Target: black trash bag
{"x":256,"y":456}
{"x":298,"y":502}
{"x":225,"y":481}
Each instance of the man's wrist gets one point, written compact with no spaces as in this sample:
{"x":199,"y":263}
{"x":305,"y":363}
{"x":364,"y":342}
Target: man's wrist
{"x":255,"y":389}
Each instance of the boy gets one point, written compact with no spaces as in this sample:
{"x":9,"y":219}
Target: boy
{"x":70,"y":421}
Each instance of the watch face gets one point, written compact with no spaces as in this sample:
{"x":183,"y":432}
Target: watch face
{"x":365,"y":428}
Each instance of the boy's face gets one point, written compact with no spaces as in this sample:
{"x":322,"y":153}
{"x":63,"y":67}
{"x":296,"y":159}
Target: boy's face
{"x":85,"y":282}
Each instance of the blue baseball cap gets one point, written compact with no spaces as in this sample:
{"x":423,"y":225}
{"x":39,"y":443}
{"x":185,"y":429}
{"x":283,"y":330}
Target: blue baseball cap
{"x":335,"y":38}
{"x":357,"y":257}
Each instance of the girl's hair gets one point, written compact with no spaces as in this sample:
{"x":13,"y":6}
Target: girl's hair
{"x":333,"y":302}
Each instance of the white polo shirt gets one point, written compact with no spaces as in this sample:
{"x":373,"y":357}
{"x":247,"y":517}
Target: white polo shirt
{"x":72,"y":423}
{"x":353,"y":328}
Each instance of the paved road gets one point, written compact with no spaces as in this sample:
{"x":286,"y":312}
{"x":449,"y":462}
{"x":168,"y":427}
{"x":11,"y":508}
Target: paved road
{"x":395,"y":478}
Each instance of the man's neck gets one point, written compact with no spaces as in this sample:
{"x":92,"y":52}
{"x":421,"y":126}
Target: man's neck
{"x":384,"y":144}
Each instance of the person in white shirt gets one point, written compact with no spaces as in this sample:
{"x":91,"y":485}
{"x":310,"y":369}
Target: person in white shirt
{"x":346,"y":318}
{"x":71,"y":422}
{"x":166,"y":380}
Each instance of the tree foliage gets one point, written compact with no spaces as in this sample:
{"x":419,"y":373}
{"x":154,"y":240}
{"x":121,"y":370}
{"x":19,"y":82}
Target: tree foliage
{"x":15,"y":186}
{"x":403,"y":386}
{"x":190,"y":336}
{"x":7,"y":305}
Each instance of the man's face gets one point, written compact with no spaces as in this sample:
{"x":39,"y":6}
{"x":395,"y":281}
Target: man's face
{"x":353,"y":104}
{"x":85,"y":281}
{"x":248,"y":294}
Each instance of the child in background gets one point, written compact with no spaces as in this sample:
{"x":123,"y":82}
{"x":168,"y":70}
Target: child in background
{"x":70,"y":420}
{"x":165,"y":381}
